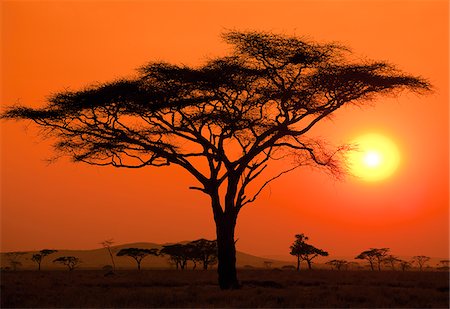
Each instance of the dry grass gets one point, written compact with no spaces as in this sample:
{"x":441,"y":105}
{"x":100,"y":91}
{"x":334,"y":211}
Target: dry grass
{"x":261,"y":288}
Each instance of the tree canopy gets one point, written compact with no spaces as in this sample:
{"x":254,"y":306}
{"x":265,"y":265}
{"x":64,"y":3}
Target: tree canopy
{"x":138,"y":254}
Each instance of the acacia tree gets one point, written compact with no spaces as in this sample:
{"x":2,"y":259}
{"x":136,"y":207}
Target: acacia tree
{"x":38,"y":257}
{"x":391,"y":260}
{"x":179,"y":254}
{"x":137,"y":254}
{"x":204,"y":251}
{"x":374,"y":256}
{"x":70,"y":261}
{"x":421,"y":260}
{"x":304,"y":251}
{"x":404,"y":265}
{"x":223,"y":122}
{"x":107,"y":245}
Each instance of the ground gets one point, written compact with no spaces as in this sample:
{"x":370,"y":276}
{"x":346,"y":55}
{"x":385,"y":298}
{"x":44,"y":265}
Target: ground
{"x":261,"y":288}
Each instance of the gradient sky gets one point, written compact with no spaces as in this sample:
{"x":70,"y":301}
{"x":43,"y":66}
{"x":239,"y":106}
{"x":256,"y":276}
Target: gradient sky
{"x":52,"y":46}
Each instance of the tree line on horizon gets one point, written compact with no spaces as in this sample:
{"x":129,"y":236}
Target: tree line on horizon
{"x":204,"y":252}
{"x":376,"y":257}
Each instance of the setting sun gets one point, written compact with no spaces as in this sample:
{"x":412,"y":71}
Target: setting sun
{"x":375,"y":158}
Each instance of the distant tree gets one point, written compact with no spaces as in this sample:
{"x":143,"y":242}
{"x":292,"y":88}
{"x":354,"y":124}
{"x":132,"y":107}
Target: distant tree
{"x":224,"y":122}
{"x":38,"y":257}
{"x":374,"y":256}
{"x":337,"y":264}
{"x":177,"y":253}
{"x":70,"y":261}
{"x":405,"y":265}
{"x":421,"y":260}
{"x":391,"y":260}
{"x":204,"y":251}
{"x":296,"y":248}
{"x":137,"y":254}
{"x":304,"y":251}
{"x":107,"y":245}
{"x":14,"y":259}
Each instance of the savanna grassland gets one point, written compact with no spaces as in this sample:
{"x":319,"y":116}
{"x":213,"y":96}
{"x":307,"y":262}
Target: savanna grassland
{"x":261,"y":288}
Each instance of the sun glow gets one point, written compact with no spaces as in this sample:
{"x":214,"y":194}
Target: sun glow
{"x":375,"y":158}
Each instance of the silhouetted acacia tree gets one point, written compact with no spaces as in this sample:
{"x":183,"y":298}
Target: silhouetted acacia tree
{"x":137,"y":254}
{"x":223,"y":122}
{"x":14,"y":259}
{"x":304,"y":251}
{"x":38,"y":257}
{"x":204,"y":251}
{"x":391,"y":260}
{"x":107,"y":245}
{"x":179,"y":254}
{"x":70,"y":261}
{"x":374,"y":256}
{"x":404,"y":265}
{"x":421,"y":260}
{"x":337,"y":264}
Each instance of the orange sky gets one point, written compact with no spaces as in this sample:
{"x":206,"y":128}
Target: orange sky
{"x":52,"y":46}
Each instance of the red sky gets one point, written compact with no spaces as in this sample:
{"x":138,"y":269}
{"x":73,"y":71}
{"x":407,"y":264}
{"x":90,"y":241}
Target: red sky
{"x":52,"y":46}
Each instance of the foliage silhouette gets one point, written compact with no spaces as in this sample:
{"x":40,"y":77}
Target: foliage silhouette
{"x":421,"y":260}
{"x":38,"y":257}
{"x":304,"y":251}
{"x":70,"y":261}
{"x":137,"y":254}
{"x":204,"y":251}
{"x":223,"y":122}
{"x":179,"y":254}
{"x":374,"y":256}
{"x":391,"y":260}
{"x":404,"y":265}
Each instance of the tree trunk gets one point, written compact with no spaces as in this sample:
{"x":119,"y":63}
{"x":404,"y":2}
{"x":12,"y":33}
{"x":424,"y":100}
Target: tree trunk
{"x":298,"y":263}
{"x":139,"y":265}
{"x":309,"y":264}
{"x":226,"y":251}
{"x":39,"y":266}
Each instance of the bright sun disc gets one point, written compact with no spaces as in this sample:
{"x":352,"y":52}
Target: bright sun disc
{"x":376,"y":157}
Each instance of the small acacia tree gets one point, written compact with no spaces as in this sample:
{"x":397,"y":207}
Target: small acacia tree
{"x":70,"y":261}
{"x":204,"y":251}
{"x":374,"y":256}
{"x":223,"y":122}
{"x":179,"y":254}
{"x":405,"y":265}
{"x":391,"y":260}
{"x":304,"y":251}
{"x":137,"y":254}
{"x":421,"y":260}
{"x":38,"y":257}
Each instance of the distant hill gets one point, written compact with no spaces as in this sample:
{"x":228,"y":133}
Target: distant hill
{"x":97,"y":258}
